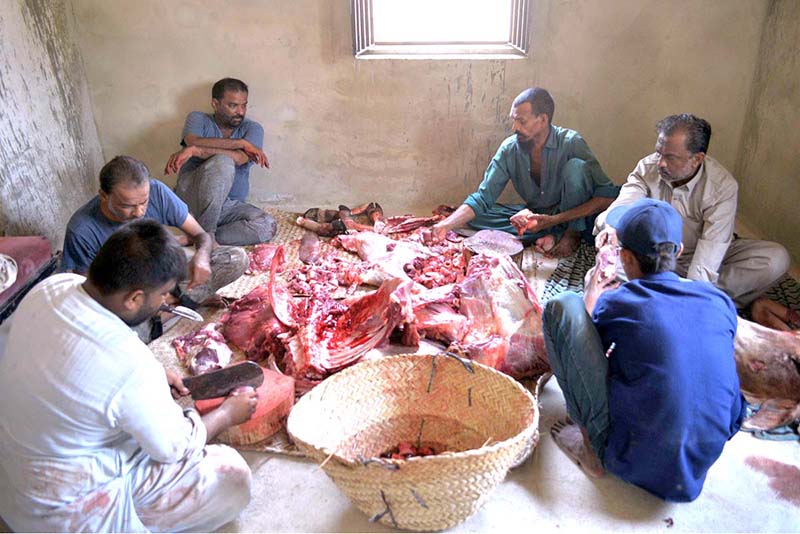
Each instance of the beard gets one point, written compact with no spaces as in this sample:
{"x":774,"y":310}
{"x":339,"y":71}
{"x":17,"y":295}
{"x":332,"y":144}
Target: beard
{"x":140,"y":317}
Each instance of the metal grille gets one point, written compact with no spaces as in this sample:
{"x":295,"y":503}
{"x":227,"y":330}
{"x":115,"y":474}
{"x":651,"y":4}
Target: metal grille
{"x":364,"y":38}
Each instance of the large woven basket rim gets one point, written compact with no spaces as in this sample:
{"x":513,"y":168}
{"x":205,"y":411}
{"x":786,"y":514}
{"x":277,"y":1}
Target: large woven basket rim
{"x":524,"y":435}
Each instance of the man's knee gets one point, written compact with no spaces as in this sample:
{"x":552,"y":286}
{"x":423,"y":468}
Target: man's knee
{"x":562,"y":305}
{"x":577,"y":184}
{"x":234,"y":479}
{"x":265,"y":227}
{"x":575,"y":174}
{"x":779,"y":259}
{"x":229,"y":262}
{"x":220,"y":164}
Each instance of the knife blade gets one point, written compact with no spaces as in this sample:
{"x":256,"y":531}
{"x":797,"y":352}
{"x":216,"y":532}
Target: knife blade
{"x":221,"y":382}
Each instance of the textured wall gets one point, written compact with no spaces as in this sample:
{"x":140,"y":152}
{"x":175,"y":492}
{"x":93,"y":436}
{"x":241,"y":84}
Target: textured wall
{"x":769,"y":162}
{"x":411,"y":133}
{"x":49,"y":150}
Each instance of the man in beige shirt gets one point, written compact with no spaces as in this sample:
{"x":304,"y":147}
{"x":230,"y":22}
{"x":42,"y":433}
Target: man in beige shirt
{"x":704,"y":193}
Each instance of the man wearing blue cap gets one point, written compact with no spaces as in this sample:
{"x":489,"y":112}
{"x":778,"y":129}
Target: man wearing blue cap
{"x":648,"y":374}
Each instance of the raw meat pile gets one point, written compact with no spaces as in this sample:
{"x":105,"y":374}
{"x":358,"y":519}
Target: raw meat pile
{"x":485,"y":310}
{"x":406,"y":450}
{"x":607,"y":261}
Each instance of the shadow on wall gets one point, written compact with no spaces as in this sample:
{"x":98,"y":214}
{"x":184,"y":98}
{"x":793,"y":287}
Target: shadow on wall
{"x":155,"y":144}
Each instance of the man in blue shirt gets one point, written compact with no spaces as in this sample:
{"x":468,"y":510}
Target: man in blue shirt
{"x":553,"y":171}
{"x":650,"y":379}
{"x":214,"y":167}
{"x":127,"y":193}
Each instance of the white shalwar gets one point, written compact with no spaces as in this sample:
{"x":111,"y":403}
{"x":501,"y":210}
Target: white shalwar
{"x":90,"y":438}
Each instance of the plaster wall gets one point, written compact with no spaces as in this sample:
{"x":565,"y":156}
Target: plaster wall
{"x":768,"y":166}
{"x":411,"y":133}
{"x":49,"y":150}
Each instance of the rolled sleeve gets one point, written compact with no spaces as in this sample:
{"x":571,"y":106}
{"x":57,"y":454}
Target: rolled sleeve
{"x":195,"y":124}
{"x":494,"y":181}
{"x":255,"y":134}
{"x":78,"y":253}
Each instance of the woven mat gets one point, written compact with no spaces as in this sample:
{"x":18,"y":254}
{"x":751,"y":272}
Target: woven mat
{"x":570,"y":272}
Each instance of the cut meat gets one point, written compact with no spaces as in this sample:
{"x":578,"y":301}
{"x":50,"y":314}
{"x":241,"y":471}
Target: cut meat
{"x":606,"y":261}
{"x":767,"y":361}
{"x":504,"y":318}
{"x":309,"y":248}
{"x":251,"y":325}
{"x":275,"y":401}
{"x":261,"y":257}
{"x":203,"y":350}
{"x":408,"y":223}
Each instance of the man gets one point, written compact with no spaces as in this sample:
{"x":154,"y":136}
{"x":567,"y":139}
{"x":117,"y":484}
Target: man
{"x":704,"y":194}
{"x":649,"y":379}
{"x":90,"y":438}
{"x":214,"y":167}
{"x":551,"y":168}
{"x":127,"y":193}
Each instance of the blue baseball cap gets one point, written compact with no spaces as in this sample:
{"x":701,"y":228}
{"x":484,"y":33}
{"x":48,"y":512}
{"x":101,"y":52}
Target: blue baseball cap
{"x":645,"y":224}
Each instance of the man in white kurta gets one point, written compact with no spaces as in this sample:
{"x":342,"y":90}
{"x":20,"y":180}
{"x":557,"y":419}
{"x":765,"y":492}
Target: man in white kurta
{"x":705,"y":195}
{"x":90,"y":438}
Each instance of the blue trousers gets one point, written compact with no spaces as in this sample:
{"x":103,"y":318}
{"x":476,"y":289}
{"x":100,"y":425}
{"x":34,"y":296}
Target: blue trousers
{"x":577,"y":188}
{"x":580,"y":365}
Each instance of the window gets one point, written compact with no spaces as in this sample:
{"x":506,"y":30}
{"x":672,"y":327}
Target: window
{"x":439,"y":28}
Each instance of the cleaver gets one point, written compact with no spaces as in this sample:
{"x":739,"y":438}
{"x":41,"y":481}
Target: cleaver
{"x":221,"y":382}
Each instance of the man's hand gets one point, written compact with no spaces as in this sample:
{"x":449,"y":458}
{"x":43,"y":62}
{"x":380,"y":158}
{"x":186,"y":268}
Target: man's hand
{"x":199,"y":270}
{"x":520,"y":220}
{"x":255,"y":154}
{"x":526,"y":220}
{"x":240,"y":405}
{"x":177,"y":160}
{"x":435,"y":234}
{"x":607,"y":237}
{"x":176,"y":386}
{"x":594,"y":286}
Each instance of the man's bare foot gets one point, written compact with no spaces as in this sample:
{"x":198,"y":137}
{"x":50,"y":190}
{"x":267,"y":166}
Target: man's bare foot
{"x":545,"y":244}
{"x":774,"y":315}
{"x":567,"y":245}
{"x":573,"y":440}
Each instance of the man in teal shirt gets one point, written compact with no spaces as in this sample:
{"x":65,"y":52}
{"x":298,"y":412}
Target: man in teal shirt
{"x":555,"y":173}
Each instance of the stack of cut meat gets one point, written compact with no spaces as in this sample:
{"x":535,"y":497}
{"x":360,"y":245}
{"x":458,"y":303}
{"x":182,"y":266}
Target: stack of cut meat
{"x":487,"y":311}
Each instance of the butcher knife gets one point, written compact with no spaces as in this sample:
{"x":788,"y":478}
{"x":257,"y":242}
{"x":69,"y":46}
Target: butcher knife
{"x":220,"y":383}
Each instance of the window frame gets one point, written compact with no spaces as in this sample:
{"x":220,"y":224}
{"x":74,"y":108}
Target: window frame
{"x":365,"y":47}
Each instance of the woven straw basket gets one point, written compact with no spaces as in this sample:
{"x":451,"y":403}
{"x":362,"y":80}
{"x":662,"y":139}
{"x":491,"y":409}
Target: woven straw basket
{"x":479,"y":421}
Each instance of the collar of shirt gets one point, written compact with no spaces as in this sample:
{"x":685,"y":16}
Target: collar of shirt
{"x":689,"y":186}
{"x":661,"y":277}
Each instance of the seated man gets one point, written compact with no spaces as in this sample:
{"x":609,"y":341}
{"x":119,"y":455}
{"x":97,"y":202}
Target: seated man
{"x":648,"y":374}
{"x":126,"y":193}
{"x":214,"y":167}
{"x":90,"y":438}
{"x":705,"y":195}
{"x":552,"y":169}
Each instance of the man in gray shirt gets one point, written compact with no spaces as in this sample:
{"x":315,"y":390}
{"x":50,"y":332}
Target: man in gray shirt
{"x":705,"y":194}
{"x":214,"y":167}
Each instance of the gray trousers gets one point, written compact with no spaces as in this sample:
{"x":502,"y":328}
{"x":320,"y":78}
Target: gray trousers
{"x":231,"y":222}
{"x":227,"y":265}
{"x":750,"y":267}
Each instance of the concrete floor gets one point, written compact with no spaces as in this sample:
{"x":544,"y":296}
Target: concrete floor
{"x":548,"y":492}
